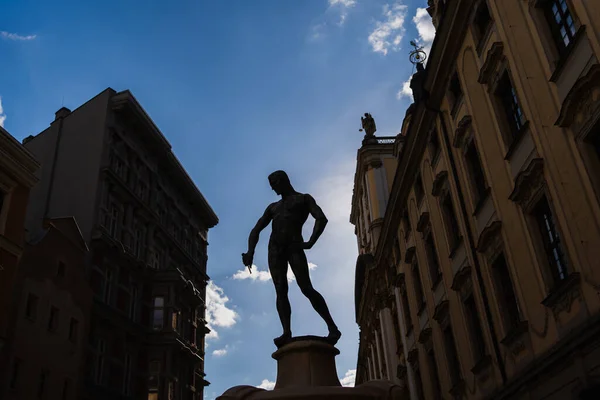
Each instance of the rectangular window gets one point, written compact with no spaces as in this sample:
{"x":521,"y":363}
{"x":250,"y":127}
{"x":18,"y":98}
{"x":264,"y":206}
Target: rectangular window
{"x":477,"y":176}
{"x":133,"y":303}
{"x":506,"y":293}
{"x":432,"y":260}
{"x":509,"y":101}
{"x":2,"y":199}
{"x":73,"y":328}
{"x":452,"y":356}
{"x":53,"y":319}
{"x":100,"y":350}
{"x":42,"y":384}
{"x":14,"y":375}
{"x":551,"y":239}
{"x":158,"y":314}
{"x":434,"y":146}
{"x":418,"y":286}
{"x":456,"y":93}
{"x":66,"y":389}
{"x":406,"y":309}
{"x":452,"y":228}
{"x":31,"y":306}
{"x":562,"y":25}
{"x":435,"y":379}
{"x":419,"y":191}
{"x":474,"y":326}
{"x":106,"y":296}
{"x":175,"y":320}
{"x":154,"y":371}
{"x":139,"y":236}
{"x":419,"y":384}
{"x":127,"y":376}
{"x":112,"y":219}
{"x":407,"y":227}
{"x":482,"y":21}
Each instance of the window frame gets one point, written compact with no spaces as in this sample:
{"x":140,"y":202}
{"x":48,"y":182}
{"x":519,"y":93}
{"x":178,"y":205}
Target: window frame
{"x":31,"y":316}
{"x":475,"y":328}
{"x":555,"y":26}
{"x":432,"y":258}
{"x":480,"y":35}
{"x":53,"y":319}
{"x":479,"y":186}
{"x":158,"y":310}
{"x":508,"y":104}
{"x":504,"y":285}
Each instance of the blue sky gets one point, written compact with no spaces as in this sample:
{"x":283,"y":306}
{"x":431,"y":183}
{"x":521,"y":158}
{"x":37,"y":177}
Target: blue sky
{"x":240,"y":88}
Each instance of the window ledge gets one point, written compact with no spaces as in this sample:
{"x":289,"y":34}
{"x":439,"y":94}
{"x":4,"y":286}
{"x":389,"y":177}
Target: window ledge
{"x":566,"y":55}
{"x":561,"y":296}
{"x":515,"y":333}
{"x":482,"y":364}
{"x":455,"y":247}
{"x":481,"y":201}
{"x":436,"y":280}
{"x":516,"y":140}
{"x":435,"y":159}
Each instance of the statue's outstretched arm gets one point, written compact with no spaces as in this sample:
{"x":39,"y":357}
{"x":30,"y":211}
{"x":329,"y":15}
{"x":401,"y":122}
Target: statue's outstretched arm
{"x":320,"y":220}
{"x":262,"y":223}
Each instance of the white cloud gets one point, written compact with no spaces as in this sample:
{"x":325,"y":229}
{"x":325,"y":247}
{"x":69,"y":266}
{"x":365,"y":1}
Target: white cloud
{"x":343,"y":5}
{"x":388,"y":34}
{"x":217,"y":312}
{"x":406,"y":91}
{"x":266,"y":384}
{"x":2,"y":116}
{"x":14,"y":36}
{"x":263,"y":276}
{"x":349,"y":378}
{"x":220,"y":352}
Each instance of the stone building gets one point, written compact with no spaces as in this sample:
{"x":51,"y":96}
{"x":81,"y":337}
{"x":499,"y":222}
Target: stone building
{"x":17,"y":177}
{"x":49,"y":316}
{"x":146,"y":224}
{"x":478,"y":274}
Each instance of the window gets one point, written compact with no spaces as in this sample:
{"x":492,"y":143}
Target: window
{"x":31,"y":306}
{"x":60,"y":270}
{"x":42,"y":384}
{"x":482,"y":21}
{"x":434,"y":146}
{"x":456,"y":93}
{"x":2,"y":198}
{"x":594,"y":142}
{"x":406,"y":310}
{"x":506,"y":293}
{"x":452,"y":228}
{"x":53,"y":319}
{"x":133,"y":303}
{"x":127,"y":376}
{"x":139,"y":236}
{"x":418,"y":286}
{"x":419,"y":191}
{"x":435,"y":379}
{"x":475,"y":170}
{"x":419,"y":384}
{"x":106,"y":296}
{"x":14,"y":376}
{"x":66,"y":389}
{"x":551,"y":239}
{"x":154,"y":371}
{"x":175,"y":320}
{"x":432,"y":259}
{"x":100,"y":350}
{"x":112,"y":219}
{"x":158,"y":314}
{"x":510,"y":103}
{"x":407,"y":227}
{"x":474,"y":326}
{"x":452,"y":356}
{"x":562,"y":25}
{"x":73,"y":328}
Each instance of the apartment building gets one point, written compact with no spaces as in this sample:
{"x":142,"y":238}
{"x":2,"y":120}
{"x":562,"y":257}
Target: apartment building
{"x":478,"y":275}
{"x":146,"y":225}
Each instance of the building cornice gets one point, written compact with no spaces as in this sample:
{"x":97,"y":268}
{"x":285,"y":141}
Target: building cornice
{"x":16,"y":160}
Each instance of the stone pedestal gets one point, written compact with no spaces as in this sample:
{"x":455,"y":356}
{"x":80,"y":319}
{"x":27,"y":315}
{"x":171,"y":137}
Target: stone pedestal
{"x":306,"y":370}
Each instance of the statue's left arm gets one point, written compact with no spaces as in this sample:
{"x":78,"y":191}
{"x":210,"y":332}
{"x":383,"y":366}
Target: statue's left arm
{"x":320,"y":220}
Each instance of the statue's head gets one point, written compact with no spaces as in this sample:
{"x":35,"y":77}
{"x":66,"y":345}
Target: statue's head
{"x":279,"y":181}
{"x":366,"y":115}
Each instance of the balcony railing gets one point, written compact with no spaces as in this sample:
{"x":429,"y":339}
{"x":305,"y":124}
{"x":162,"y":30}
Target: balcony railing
{"x":379,"y":140}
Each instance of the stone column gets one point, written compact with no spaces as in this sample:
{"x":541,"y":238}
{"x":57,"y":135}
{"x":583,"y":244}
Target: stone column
{"x":374,"y":358}
{"x":379,"y":354}
{"x":389,"y":343}
{"x":410,"y":375}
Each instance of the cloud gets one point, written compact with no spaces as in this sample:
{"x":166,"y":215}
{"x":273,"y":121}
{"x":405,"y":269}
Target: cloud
{"x":14,"y":36}
{"x":2,"y":116}
{"x":266,"y":384}
{"x":220,"y":352}
{"x":425,"y":28}
{"x":349,"y":378}
{"x":343,"y":6}
{"x":263,"y":276}
{"x":217,"y":312}
{"x":389,"y":33}
{"x":406,"y":91}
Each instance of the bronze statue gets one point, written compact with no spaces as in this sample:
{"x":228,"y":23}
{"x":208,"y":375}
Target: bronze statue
{"x":368,"y":125}
{"x":286,"y":245}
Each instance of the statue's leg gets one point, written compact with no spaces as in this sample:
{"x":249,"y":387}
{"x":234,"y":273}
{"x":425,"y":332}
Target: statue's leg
{"x":278,"y":266}
{"x":299,"y":266}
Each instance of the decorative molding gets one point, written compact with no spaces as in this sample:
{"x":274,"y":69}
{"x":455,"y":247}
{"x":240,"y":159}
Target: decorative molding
{"x":399,"y":280}
{"x":482,"y":368}
{"x":440,"y":183}
{"x":413,"y":356}
{"x":409,"y":254}
{"x":423,"y":222}
{"x":515,"y":338}
{"x":492,"y":61}
{"x":376,"y":223}
{"x":462,"y":276}
{"x":490,"y":239}
{"x":441,"y":312}
{"x":461,"y":130}
{"x":561,"y":299}
{"x":528,"y":184}
{"x":583,"y":100}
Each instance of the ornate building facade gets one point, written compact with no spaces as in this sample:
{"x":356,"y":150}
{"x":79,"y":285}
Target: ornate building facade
{"x":478,"y":274}
{"x":146,"y":224}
